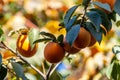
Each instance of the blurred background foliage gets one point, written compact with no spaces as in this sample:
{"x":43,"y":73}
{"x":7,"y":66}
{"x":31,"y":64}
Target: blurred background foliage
{"x":89,"y":64}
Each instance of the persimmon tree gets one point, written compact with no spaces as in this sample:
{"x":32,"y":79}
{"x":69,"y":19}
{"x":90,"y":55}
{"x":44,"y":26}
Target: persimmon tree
{"x":83,"y":29}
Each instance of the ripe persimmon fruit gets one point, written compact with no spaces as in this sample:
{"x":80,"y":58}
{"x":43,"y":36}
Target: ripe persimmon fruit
{"x":83,"y":39}
{"x":53,"y":52}
{"x":92,"y":41}
{"x":24,"y":48}
{"x":110,"y":2}
{"x":70,"y":49}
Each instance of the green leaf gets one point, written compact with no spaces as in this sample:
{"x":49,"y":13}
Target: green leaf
{"x":18,"y":70}
{"x":97,"y":35}
{"x":60,"y":38}
{"x":62,"y":24}
{"x":103,"y":31}
{"x":105,"y":20}
{"x":11,"y":33}
{"x":118,"y":23}
{"x":69,"y":13}
{"x":0,"y":59}
{"x":43,"y":40}
{"x":85,"y":2}
{"x":115,"y":71}
{"x":95,"y":19}
{"x":3,"y":72}
{"x":33,"y":35}
{"x":72,"y":34}
{"x":1,"y":32}
{"x":117,"y":7}
{"x":112,"y":16}
{"x":118,"y":68}
{"x":71,"y":22}
{"x":109,"y":70}
{"x":104,"y":6}
{"x":116,"y":49}
{"x":2,"y":38}
{"x":56,"y":75}
{"x":48,"y":35}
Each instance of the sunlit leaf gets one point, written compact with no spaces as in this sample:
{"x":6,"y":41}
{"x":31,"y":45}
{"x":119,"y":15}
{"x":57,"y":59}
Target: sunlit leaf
{"x":69,"y":13}
{"x":48,"y":35}
{"x":109,"y":70}
{"x":33,"y":35}
{"x":95,"y":19}
{"x":72,"y":34}
{"x":18,"y":70}
{"x":2,"y":38}
{"x":3,"y":72}
{"x":11,"y":33}
{"x":116,"y":49}
{"x":117,"y":7}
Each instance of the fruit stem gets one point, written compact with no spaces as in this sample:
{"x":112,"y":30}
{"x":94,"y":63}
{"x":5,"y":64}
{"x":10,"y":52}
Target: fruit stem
{"x":85,"y":10}
{"x":32,"y":66}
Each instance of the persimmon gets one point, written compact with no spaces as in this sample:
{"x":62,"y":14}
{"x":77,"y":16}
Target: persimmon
{"x":83,"y":39}
{"x":92,"y":41}
{"x":24,"y":48}
{"x":111,"y":3}
{"x":53,"y":52}
{"x":70,"y":49}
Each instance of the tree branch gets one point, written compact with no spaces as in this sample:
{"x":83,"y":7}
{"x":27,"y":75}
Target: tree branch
{"x":32,"y":66}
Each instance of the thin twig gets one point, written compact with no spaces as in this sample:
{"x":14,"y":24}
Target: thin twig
{"x":32,"y":66}
{"x":49,"y":71}
{"x":43,"y":68}
{"x":55,"y":68}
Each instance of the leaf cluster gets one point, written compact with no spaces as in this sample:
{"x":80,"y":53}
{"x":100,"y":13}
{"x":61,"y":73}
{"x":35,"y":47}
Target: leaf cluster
{"x":96,"y":21}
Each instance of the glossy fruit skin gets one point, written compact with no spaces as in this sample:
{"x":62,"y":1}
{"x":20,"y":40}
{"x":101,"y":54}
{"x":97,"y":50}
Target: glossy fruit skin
{"x":92,"y":42}
{"x":110,"y":2}
{"x":70,"y":49}
{"x":24,"y":48}
{"x":53,"y":52}
{"x":83,"y":39}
